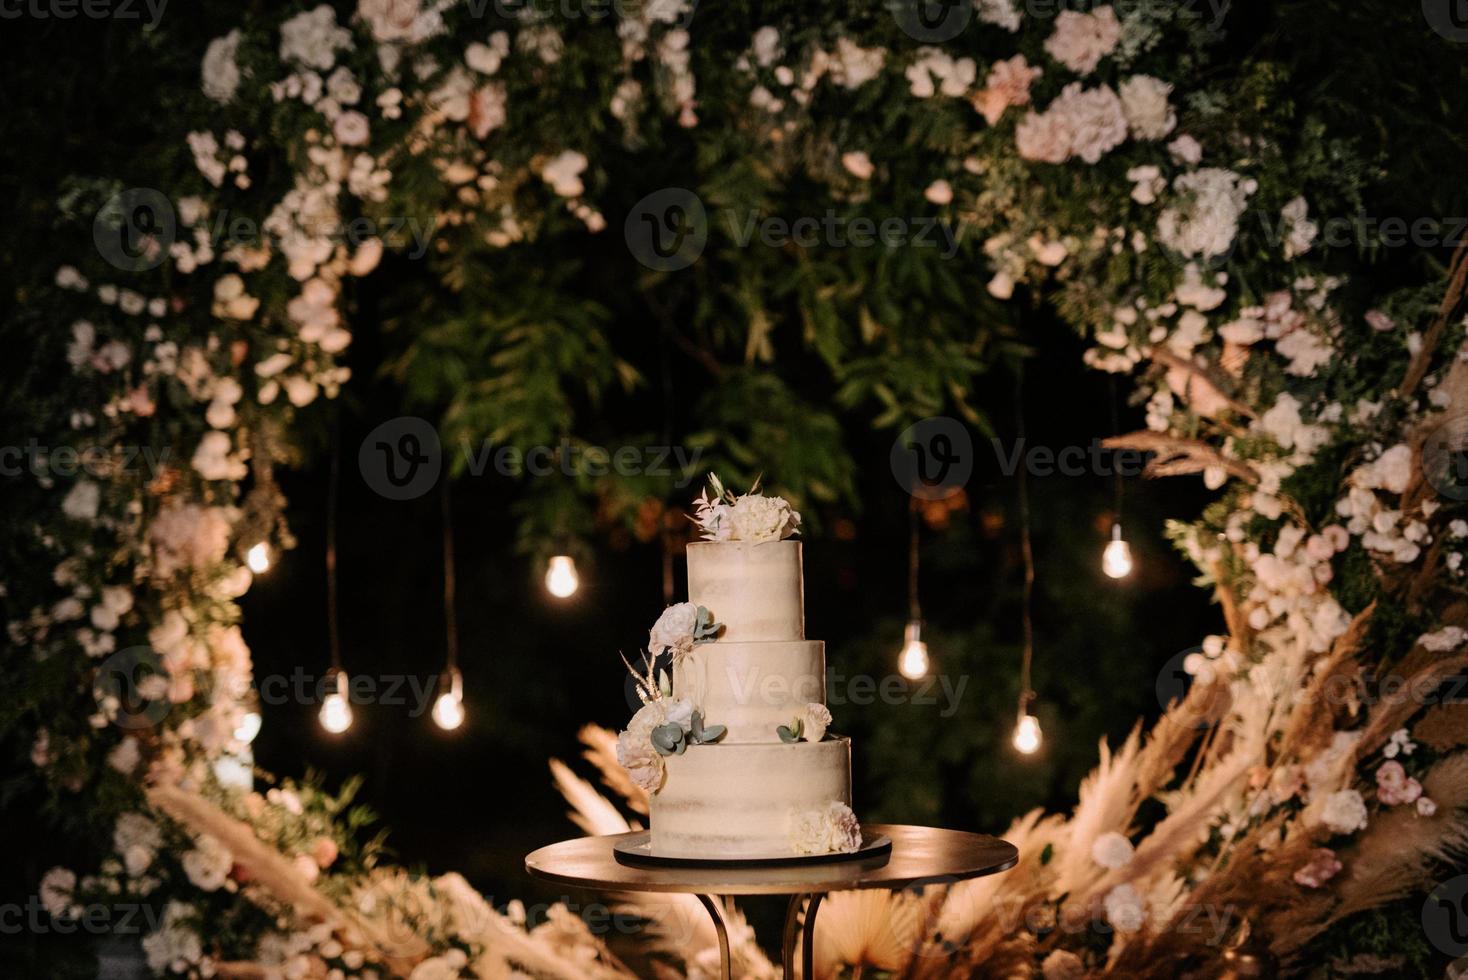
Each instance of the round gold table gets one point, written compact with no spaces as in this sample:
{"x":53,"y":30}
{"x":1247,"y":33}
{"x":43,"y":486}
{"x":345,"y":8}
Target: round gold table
{"x":920,"y":856}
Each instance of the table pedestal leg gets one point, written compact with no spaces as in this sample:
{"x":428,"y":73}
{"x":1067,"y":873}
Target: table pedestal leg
{"x":792,"y":928}
{"x":726,"y":968}
{"x":808,"y":940}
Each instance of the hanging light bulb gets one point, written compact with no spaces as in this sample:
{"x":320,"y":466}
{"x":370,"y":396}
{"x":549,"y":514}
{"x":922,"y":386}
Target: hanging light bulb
{"x":561,"y":579}
{"x":448,"y":710}
{"x":912,"y":663}
{"x":1116,"y":560}
{"x":258,"y":558}
{"x":1027,"y":734}
{"x":336,"y":710}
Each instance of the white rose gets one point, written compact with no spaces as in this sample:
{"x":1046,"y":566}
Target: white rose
{"x":815,"y":720}
{"x":673,"y":630}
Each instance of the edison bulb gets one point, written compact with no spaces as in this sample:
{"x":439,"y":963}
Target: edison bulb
{"x":448,"y":712}
{"x":912,"y":663}
{"x":1027,"y":734}
{"x":561,"y":579}
{"x":258,"y":558}
{"x":1116,"y":560}
{"x":336,"y":710}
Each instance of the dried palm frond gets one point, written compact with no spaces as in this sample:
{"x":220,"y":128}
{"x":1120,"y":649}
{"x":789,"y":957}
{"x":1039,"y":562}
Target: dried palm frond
{"x":277,"y":877}
{"x":1443,"y":727}
{"x":1394,"y":713}
{"x":601,"y":752}
{"x":1311,"y":724}
{"x":1105,"y":804}
{"x":1393,"y":858}
{"x":868,"y":929}
{"x":590,"y":811}
{"x":983,"y":916}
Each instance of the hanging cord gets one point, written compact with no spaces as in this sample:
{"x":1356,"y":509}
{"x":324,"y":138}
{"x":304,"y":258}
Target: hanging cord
{"x":450,"y":589}
{"x":665,"y":534}
{"x":1026,"y":693}
{"x":333,"y":488}
{"x":1115,"y":431}
{"x":914,"y":609}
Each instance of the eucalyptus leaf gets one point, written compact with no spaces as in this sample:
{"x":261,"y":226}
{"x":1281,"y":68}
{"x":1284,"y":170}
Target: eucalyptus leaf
{"x":712,"y":734}
{"x":667,"y":739}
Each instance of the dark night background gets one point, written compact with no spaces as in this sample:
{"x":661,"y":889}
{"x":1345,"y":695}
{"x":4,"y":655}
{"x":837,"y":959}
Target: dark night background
{"x":536,"y":669}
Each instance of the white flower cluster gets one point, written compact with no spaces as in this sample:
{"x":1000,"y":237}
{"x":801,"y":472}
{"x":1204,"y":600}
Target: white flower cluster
{"x":1082,"y":123}
{"x":751,"y":517}
{"x":1080,"y":41}
{"x":1385,"y":530}
{"x":832,"y":828}
{"x":635,"y":751}
{"x":1206,"y":224}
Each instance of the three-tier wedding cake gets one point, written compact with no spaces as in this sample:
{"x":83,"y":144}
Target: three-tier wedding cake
{"x":731,"y":741}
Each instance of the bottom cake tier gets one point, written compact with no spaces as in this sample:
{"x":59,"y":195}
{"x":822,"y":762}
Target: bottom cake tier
{"x":755,"y":800}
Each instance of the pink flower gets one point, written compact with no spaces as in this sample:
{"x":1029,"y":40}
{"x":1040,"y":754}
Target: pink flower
{"x":1391,"y":781}
{"x":1425,"y":807}
{"x":1008,"y":84}
{"x":1393,"y":786}
{"x":1321,"y":867}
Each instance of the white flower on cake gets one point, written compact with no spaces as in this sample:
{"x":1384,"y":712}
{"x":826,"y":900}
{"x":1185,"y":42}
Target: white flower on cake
{"x":661,"y":727}
{"x":681,"y":627}
{"x":635,"y":751}
{"x":674,"y":630}
{"x":753,"y":517}
{"x":825,"y":829}
{"x":816,"y":718}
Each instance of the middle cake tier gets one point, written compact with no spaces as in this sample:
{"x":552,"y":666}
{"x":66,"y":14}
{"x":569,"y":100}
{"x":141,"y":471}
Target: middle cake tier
{"x":752,"y":688}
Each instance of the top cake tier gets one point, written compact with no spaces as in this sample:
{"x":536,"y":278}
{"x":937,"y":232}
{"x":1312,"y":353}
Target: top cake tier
{"x":757,"y":591}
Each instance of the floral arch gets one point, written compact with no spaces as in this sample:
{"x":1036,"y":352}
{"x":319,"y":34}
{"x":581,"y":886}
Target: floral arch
{"x":1079,"y":152}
